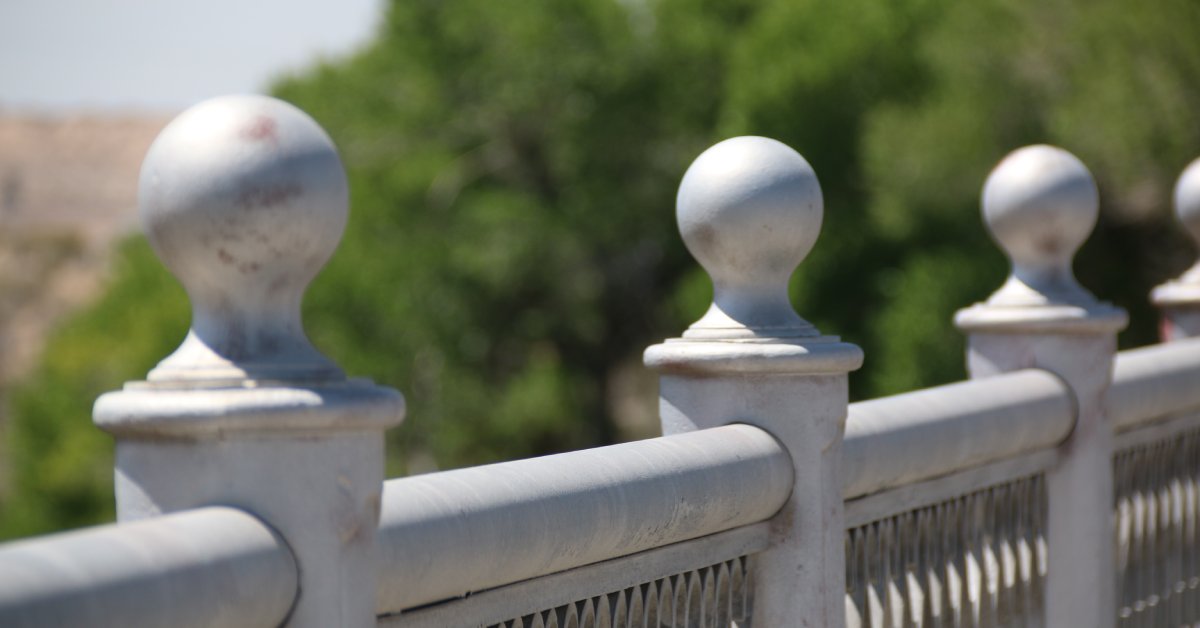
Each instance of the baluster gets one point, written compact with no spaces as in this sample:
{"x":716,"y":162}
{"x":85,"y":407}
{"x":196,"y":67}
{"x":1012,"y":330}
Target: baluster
{"x":244,"y":199}
{"x":1040,"y":204}
{"x":749,"y":210}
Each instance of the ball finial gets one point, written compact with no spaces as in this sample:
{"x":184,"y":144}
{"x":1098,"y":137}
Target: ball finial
{"x":1040,"y":204}
{"x":1184,"y":291}
{"x":244,"y":199}
{"x":750,"y":210}
{"x":1187,"y":200}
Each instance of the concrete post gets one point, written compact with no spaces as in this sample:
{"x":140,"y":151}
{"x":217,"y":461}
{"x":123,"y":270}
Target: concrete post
{"x":1040,"y":204}
{"x":244,"y":199}
{"x":750,"y":210}
{"x":1179,"y":299}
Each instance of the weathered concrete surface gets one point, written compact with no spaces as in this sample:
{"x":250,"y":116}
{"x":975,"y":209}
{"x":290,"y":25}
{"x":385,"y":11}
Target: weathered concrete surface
{"x":244,"y":198}
{"x":206,"y":568}
{"x":749,"y":210}
{"x":1040,"y":204}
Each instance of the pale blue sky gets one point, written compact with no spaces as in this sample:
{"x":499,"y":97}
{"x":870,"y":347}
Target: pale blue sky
{"x":163,"y":55}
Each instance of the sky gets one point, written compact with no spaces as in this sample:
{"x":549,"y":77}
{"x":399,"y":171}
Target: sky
{"x":163,"y":55}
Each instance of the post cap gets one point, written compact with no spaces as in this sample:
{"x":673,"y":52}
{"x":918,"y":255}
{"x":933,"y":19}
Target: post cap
{"x":749,"y":210}
{"x":244,"y":199}
{"x":1040,"y":204}
{"x":1185,"y":290}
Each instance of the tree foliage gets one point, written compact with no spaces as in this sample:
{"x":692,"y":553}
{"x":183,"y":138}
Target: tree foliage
{"x":511,"y":247}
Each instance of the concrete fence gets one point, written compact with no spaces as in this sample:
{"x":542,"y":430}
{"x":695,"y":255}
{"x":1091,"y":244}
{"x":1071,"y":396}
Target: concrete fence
{"x":1058,"y":486}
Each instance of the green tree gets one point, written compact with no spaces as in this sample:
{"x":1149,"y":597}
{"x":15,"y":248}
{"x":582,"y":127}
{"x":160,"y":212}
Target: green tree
{"x":61,"y":465}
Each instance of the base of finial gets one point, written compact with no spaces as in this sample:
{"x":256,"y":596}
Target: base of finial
{"x":241,"y":376}
{"x":240,"y":360}
{"x":149,"y":410}
{"x":1097,"y":317}
{"x":809,"y":355}
{"x":1177,"y":293}
{"x":751,"y":334}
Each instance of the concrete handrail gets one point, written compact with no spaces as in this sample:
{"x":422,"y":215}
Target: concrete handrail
{"x":920,"y":435}
{"x":445,"y":534}
{"x":1151,"y":382}
{"x":200,"y":568}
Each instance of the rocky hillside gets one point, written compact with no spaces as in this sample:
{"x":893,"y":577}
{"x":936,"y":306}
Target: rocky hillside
{"x":68,"y":191}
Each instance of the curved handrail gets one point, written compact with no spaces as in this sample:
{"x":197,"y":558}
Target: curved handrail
{"x":446,"y":534}
{"x":200,"y":568}
{"x":928,"y":433}
{"x":1152,"y":382}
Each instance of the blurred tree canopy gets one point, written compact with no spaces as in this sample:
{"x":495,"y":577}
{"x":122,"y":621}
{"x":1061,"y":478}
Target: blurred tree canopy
{"x":512,"y":248}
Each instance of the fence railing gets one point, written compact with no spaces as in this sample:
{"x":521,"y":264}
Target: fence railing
{"x":211,"y":566}
{"x":1155,"y":406}
{"x":1059,"y":486}
{"x":445,"y":535}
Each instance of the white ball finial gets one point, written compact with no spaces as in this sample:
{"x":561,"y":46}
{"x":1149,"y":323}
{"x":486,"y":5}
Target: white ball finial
{"x":1040,"y":204}
{"x":244,"y":199}
{"x":750,"y":210}
{"x":1184,"y":291}
{"x":1187,"y":203}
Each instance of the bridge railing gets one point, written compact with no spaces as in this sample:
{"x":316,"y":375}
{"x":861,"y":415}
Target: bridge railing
{"x":1157,"y":482}
{"x":445,"y":535}
{"x":1056,"y":487}
{"x":211,"y":566}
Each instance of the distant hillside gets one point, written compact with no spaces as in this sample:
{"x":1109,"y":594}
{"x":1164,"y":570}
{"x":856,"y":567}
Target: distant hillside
{"x":68,"y":191}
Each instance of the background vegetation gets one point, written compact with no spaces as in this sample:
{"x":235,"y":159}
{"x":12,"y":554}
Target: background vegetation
{"x":511,"y":248}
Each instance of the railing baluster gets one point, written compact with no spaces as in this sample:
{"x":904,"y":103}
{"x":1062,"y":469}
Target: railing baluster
{"x":750,"y":209}
{"x":244,"y":199}
{"x":1040,"y":204}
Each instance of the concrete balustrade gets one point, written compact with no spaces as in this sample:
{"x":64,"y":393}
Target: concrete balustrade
{"x":205,"y":568}
{"x":249,"y":468}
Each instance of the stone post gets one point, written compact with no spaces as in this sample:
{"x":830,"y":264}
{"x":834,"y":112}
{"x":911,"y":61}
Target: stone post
{"x":1179,"y":299}
{"x":1040,"y":204}
{"x":244,"y":199}
{"x":750,"y":210}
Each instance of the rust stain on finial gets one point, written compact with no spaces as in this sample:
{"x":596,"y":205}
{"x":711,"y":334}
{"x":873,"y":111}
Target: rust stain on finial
{"x":267,"y":196}
{"x":262,"y":129}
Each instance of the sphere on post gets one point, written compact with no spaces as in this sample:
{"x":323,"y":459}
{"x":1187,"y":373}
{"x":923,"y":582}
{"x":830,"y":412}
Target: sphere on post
{"x":1181,"y":296}
{"x":1187,"y":200}
{"x":749,"y":210}
{"x":244,"y":199}
{"x":1040,"y":204}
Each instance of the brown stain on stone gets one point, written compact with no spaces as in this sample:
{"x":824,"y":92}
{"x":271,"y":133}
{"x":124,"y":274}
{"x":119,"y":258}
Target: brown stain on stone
{"x":1047,"y":244}
{"x":266,"y":196}
{"x":277,"y":285}
{"x":261,"y":129}
{"x":243,"y":267}
{"x":704,"y":234}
